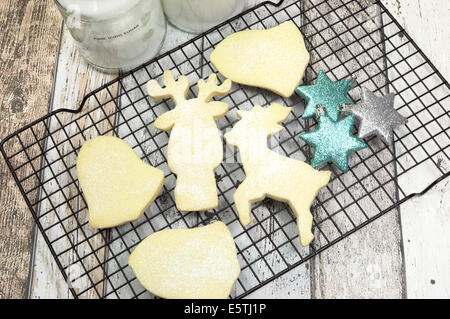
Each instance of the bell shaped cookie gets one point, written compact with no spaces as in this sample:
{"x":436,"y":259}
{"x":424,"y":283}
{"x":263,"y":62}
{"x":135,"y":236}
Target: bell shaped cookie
{"x":117,"y":185}
{"x":198,"y":263}
{"x":274,"y":59}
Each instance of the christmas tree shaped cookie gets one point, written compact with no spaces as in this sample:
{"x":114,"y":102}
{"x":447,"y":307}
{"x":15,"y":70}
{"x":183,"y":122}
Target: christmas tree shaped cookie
{"x":195,"y":148}
{"x":187,"y":263}
{"x":117,"y":185}
{"x":271,"y":174}
{"x":273,"y":59}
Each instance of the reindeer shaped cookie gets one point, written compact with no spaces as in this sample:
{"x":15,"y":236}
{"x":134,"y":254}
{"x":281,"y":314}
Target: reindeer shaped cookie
{"x":195,"y":148}
{"x":271,"y":174}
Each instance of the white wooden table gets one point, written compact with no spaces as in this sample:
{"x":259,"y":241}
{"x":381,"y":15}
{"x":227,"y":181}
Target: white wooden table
{"x":402,"y":254}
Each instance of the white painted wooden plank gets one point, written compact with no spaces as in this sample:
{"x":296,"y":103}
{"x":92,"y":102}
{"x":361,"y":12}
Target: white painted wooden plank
{"x":428,"y":24}
{"x":425,"y":225}
{"x":425,"y":220}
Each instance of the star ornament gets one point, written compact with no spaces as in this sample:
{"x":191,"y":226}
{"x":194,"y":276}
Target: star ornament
{"x":377,"y":116}
{"x":326,"y":92}
{"x":333,"y":142}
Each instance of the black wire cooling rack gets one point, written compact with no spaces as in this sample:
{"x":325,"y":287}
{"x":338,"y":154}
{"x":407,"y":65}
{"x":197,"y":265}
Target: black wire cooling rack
{"x":344,"y":37}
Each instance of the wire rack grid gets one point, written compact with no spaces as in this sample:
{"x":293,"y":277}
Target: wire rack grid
{"x":344,"y":37}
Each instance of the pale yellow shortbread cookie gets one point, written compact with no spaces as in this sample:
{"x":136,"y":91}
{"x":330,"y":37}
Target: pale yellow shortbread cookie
{"x":196,"y":263}
{"x":117,"y":185}
{"x":271,"y":174}
{"x":195,"y":147}
{"x":273,"y":59}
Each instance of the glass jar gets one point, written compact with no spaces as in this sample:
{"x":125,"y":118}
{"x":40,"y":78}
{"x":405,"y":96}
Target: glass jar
{"x":115,"y":35}
{"x":200,"y":15}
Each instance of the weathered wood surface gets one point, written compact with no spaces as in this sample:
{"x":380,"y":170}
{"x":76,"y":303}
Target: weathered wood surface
{"x":360,"y":266}
{"x":28,"y":52}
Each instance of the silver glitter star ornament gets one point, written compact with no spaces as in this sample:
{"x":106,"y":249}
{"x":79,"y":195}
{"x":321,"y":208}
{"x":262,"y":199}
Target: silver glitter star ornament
{"x":377,"y":115}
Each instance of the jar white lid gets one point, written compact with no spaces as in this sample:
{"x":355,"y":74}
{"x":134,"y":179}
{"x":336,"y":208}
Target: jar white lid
{"x":97,"y":9}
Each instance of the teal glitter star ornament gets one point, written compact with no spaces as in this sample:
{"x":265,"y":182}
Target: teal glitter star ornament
{"x":333,"y":141}
{"x":327,"y":93}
